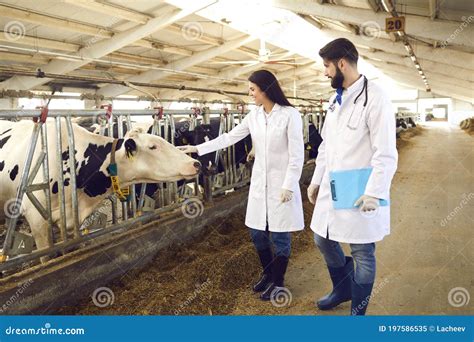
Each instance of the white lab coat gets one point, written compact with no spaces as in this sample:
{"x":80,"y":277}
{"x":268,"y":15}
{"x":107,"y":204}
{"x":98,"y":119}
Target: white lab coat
{"x":370,"y":144}
{"x":279,"y":158}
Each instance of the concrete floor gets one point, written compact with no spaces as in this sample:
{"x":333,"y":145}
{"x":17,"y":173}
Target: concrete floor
{"x":425,"y":267}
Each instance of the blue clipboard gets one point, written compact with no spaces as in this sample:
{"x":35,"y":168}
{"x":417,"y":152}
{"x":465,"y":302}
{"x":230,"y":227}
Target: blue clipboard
{"x":348,"y":185}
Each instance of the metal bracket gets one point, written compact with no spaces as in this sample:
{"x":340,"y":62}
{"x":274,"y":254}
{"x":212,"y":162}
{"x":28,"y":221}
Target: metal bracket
{"x":22,"y":244}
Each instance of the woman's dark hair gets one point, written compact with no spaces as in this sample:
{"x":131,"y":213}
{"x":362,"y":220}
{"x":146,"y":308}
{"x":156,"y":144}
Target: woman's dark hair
{"x":268,"y":83}
{"x":340,"y":48}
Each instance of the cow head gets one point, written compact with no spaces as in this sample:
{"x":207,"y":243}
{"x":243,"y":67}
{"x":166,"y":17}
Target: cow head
{"x":148,"y":158}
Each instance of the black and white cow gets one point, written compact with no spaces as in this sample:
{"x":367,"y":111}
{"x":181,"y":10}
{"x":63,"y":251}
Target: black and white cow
{"x":140,"y":158}
{"x":184,"y":136}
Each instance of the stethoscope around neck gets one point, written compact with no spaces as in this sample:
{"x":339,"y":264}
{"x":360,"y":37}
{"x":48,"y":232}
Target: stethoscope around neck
{"x":363,"y":91}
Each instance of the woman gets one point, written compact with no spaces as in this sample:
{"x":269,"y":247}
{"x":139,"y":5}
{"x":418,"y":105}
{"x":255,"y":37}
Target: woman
{"x":274,"y":207}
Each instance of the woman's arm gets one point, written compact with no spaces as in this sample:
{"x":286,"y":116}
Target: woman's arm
{"x":295,"y":151}
{"x":225,"y":140}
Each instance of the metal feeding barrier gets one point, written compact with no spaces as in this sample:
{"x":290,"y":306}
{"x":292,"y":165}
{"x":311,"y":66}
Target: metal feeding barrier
{"x":67,"y":234}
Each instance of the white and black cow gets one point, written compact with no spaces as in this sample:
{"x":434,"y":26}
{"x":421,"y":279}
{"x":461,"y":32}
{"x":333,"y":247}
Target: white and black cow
{"x":140,"y":158}
{"x":183,"y":136}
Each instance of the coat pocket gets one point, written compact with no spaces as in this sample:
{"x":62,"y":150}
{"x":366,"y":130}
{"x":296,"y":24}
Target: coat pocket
{"x":257,"y":189}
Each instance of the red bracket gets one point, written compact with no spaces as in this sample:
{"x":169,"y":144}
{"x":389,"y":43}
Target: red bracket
{"x":43,"y":115}
{"x":158,"y":113}
{"x":197,"y":111}
{"x":226,"y":111}
{"x":108,"y":112}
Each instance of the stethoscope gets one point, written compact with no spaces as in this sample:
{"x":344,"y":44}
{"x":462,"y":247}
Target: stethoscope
{"x":364,"y":90}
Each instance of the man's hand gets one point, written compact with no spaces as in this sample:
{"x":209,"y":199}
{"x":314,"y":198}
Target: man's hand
{"x":286,"y":195}
{"x":367,"y":203}
{"x":313,"y":190}
{"x":188,"y":149}
{"x":251,"y":155}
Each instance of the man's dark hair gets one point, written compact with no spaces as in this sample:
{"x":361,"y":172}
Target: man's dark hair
{"x":340,"y":48}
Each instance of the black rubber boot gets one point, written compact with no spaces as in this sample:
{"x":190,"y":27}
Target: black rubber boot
{"x":278,"y":270}
{"x":360,"y":298}
{"x":266,"y":259}
{"x":341,"y":278}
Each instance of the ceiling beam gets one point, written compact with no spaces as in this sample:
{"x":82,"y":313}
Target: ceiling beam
{"x":437,"y":87}
{"x":440,"y":68}
{"x":466,"y":86}
{"x":439,"y":55}
{"x":179,"y":65}
{"x":111,"y":10}
{"x":77,"y":27}
{"x":415,"y":25}
{"x":101,"y":48}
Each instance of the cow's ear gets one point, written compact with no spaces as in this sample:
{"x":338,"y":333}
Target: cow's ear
{"x":130,"y":148}
{"x":134,"y":132}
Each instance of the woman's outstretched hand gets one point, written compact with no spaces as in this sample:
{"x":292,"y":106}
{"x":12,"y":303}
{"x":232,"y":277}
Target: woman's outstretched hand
{"x":188,"y":149}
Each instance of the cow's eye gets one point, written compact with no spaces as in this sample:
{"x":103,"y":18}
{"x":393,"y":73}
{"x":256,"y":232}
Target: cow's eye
{"x":153,"y":147}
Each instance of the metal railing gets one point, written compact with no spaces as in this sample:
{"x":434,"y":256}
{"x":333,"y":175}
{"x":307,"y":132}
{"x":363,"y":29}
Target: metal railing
{"x":71,"y":233}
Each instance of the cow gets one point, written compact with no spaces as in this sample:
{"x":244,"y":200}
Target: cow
{"x":184,"y":136}
{"x":315,"y":140}
{"x":139,"y":157}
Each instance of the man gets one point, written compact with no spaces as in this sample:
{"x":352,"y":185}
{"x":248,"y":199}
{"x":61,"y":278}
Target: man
{"x":358,"y":134}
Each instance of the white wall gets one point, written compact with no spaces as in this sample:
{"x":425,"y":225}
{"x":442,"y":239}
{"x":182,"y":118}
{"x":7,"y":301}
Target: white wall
{"x":461,"y":110}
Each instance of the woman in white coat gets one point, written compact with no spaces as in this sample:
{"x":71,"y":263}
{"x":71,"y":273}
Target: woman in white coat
{"x":274,"y":207}
{"x":358,"y":133}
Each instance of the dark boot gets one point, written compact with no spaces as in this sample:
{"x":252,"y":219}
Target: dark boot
{"x":341,"y":278}
{"x":360,"y":298}
{"x":278,"y":271}
{"x":266,"y":258}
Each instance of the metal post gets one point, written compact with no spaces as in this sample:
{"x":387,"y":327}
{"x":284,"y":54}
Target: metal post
{"x":11,"y":222}
{"x":132,"y":188}
{"x":61,"y":197}
{"x":72,"y":172}
{"x":120,"y":136}
{"x":47,"y":191}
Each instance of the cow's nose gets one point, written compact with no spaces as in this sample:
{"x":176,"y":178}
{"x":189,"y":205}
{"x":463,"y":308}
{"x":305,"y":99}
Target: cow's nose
{"x":197,"y":165}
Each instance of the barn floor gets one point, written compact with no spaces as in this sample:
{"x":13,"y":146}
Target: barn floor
{"x":428,"y":254}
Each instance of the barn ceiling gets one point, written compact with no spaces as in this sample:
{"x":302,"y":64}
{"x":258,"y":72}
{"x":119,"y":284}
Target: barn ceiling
{"x":218,"y":43}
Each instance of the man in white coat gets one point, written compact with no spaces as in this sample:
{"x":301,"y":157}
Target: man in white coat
{"x":274,"y":207}
{"x":358,"y":133}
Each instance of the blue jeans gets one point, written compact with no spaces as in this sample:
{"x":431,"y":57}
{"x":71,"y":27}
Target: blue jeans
{"x":263,"y":239}
{"x":363,"y":254}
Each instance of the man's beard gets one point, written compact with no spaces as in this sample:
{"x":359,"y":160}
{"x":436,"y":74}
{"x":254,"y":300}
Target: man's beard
{"x":338,"y":79}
